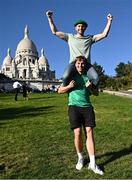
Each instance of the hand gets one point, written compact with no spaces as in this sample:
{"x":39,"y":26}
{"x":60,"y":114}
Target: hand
{"x":49,"y":13}
{"x":72,"y":84}
{"x":109,"y":17}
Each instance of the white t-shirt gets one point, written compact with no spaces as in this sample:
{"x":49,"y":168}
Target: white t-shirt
{"x":79,"y":46}
{"x":16,"y":85}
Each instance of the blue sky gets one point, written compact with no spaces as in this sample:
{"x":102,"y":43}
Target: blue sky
{"x":116,"y":48}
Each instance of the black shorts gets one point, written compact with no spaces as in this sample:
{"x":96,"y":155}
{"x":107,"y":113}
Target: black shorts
{"x":81,"y":116}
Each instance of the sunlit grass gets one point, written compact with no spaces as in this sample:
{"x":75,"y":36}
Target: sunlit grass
{"x":36,"y":141}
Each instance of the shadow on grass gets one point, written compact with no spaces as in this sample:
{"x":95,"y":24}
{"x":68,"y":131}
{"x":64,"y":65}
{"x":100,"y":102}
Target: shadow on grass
{"x":13,"y":113}
{"x":115,"y":155}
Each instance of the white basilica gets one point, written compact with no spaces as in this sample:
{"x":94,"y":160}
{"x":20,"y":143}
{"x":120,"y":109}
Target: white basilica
{"x":27,"y":65}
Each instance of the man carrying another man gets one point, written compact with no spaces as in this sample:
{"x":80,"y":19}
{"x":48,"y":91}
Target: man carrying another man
{"x":81,"y":114}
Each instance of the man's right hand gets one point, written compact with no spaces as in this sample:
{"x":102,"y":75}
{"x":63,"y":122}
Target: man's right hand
{"x":72,"y":84}
{"x":49,"y":13}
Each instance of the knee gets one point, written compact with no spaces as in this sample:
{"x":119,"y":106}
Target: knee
{"x":95,"y":76}
{"x":89,"y":131}
{"x":93,"y":73}
{"x":77,"y":133}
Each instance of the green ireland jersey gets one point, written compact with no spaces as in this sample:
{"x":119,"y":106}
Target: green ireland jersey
{"x":79,"y":96}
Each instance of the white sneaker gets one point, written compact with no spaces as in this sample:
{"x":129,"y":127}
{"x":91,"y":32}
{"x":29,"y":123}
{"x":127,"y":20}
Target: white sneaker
{"x":96,"y":169}
{"x":79,"y":164}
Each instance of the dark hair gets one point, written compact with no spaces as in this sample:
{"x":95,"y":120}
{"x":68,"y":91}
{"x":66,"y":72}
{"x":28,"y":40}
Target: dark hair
{"x":81,"y":58}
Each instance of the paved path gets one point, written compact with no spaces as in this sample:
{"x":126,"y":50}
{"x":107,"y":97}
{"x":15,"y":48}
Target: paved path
{"x":117,"y":93}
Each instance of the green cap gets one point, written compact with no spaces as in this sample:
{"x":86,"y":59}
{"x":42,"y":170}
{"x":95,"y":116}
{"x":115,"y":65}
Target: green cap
{"x":80,"y":21}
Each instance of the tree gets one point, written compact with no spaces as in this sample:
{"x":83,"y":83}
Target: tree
{"x":129,"y":69}
{"x":111,"y":83}
{"x":123,"y":69}
{"x":120,"y":69}
{"x":124,"y":75}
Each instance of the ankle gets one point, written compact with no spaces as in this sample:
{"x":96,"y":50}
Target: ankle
{"x":92,"y":161}
{"x":80,"y":155}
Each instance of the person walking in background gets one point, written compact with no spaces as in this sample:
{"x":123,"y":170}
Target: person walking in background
{"x":16,"y":86}
{"x":81,"y":114}
{"x":25,"y":91}
{"x":80,"y":45}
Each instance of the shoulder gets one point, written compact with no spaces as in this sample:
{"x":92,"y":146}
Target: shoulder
{"x":66,"y":36}
{"x":91,"y":38}
{"x":69,"y":35}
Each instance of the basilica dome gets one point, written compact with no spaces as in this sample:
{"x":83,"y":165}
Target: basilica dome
{"x":42,"y":60}
{"x":27,"y":65}
{"x":8,"y":59}
{"x":26,"y":46}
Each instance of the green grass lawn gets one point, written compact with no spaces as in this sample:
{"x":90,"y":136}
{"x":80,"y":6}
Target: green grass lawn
{"x":36,"y":140}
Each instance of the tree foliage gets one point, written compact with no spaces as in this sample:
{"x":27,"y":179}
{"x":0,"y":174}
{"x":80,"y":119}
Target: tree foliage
{"x":123,"y":69}
{"x":122,"y":80}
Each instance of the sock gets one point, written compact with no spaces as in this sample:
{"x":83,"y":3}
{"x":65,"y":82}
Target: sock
{"x":80,"y":155}
{"x":92,"y":160}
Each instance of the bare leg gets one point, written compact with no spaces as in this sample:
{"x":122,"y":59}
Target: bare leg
{"x":78,"y":140}
{"x":90,"y":141}
{"x":91,"y":151}
{"x":79,"y":147}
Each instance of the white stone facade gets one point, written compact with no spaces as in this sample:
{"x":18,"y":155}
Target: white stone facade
{"x":27,"y":64}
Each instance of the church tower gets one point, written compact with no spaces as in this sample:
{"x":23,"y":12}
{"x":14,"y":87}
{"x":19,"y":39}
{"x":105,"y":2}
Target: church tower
{"x":7,"y":64}
{"x":26,"y":64}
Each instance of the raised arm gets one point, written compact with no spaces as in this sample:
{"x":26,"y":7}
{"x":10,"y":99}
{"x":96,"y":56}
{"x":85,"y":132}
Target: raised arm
{"x":52,"y":25}
{"x":64,"y":89}
{"x":106,"y":30}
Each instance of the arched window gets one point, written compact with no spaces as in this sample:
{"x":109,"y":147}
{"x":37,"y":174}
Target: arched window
{"x":24,"y":61}
{"x":24,"y":73}
{"x":33,"y":61}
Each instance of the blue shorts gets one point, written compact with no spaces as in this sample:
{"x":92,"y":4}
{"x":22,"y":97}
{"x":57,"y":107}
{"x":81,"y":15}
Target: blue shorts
{"x":81,"y":116}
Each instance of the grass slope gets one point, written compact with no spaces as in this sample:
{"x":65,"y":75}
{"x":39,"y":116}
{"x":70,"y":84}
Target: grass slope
{"x":36,"y":141}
